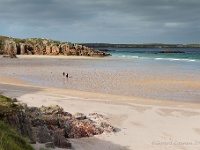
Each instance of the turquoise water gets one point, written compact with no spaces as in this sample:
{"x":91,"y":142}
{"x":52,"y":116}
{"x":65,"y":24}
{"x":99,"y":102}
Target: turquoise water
{"x":191,"y":54}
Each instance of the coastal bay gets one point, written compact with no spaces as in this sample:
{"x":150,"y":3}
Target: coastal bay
{"x":148,"y":108}
{"x":100,"y":75}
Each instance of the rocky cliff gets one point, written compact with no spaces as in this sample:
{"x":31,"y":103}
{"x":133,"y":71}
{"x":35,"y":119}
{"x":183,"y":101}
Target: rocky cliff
{"x":38,"y":46}
{"x":50,"y":125}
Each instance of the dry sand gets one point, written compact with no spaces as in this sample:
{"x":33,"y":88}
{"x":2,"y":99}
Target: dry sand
{"x":141,"y":123}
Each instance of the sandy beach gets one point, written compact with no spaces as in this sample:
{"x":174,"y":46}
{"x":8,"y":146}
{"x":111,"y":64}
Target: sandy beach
{"x":142,"y":121}
{"x":136,"y":77}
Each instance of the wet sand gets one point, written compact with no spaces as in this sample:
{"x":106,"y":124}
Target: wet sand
{"x":141,"y":123}
{"x":106,"y":75}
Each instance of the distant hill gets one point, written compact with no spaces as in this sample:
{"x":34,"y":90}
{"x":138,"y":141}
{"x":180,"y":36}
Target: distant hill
{"x":43,"y":46}
{"x":153,"y":45}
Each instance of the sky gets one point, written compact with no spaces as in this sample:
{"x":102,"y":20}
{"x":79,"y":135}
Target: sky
{"x":103,"y":21}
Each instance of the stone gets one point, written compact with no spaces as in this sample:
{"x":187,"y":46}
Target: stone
{"x":44,"y":135}
{"x":49,"y":145}
{"x":84,"y":129}
{"x":80,"y":116}
{"x":15,"y":100}
{"x":68,"y":129}
{"x":61,"y":141}
{"x":21,"y":122}
{"x":36,"y":122}
{"x":60,"y":132}
{"x":107,"y":127}
{"x":52,"y":121}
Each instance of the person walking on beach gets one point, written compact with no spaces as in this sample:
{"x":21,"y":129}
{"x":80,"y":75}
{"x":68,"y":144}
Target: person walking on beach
{"x":67,"y":75}
{"x":63,"y":74}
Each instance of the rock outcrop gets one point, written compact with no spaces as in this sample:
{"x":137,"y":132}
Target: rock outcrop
{"x":52,"y":125}
{"x":36,"y":46}
{"x":171,"y":51}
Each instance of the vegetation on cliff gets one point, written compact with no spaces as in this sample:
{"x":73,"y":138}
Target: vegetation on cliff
{"x":7,"y":106}
{"x":9,"y":138}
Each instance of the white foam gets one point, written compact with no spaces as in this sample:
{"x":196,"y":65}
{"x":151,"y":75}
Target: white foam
{"x":158,"y":58}
{"x":126,"y":56}
{"x":135,"y":56}
{"x":174,"y":59}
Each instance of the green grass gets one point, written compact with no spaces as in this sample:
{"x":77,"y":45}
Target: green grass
{"x":10,"y":139}
{"x":17,"y":40}
{"x":3,"y":37}
{"x":7,"y":106}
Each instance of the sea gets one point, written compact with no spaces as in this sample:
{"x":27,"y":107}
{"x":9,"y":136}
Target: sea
{"x":189,"y":55}
{"x":183,"y":67}
{"x":188,"y":60}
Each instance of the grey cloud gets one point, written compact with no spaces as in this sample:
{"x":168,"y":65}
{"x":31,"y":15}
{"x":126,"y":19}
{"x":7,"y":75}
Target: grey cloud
{"x":98,"y":20}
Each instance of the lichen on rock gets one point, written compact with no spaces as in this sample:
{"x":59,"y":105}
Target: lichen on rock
{"x":52,"y":125}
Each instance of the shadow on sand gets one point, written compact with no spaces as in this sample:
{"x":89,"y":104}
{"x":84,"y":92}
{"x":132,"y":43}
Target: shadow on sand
{"x":94,"y":143}
{"x":17,"y":90}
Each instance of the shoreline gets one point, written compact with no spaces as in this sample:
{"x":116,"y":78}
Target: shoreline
{"x":54,"y":56}
{"x":92,"y":95}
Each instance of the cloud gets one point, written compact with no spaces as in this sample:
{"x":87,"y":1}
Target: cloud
{"x":102,"y":20}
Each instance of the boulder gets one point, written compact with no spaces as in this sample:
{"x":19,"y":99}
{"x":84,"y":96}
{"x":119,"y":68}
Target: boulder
{"x":15,"y":100}
{"x":21,"y":122}
{"x":49,"y":145}
{"x":80,"y":116}
{"x":171,"y":51}
{"x":61,"y":141}
{"x":44,"y":135}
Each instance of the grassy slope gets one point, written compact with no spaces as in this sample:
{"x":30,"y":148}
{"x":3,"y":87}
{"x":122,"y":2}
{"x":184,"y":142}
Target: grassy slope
{"x":9,"y":139}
